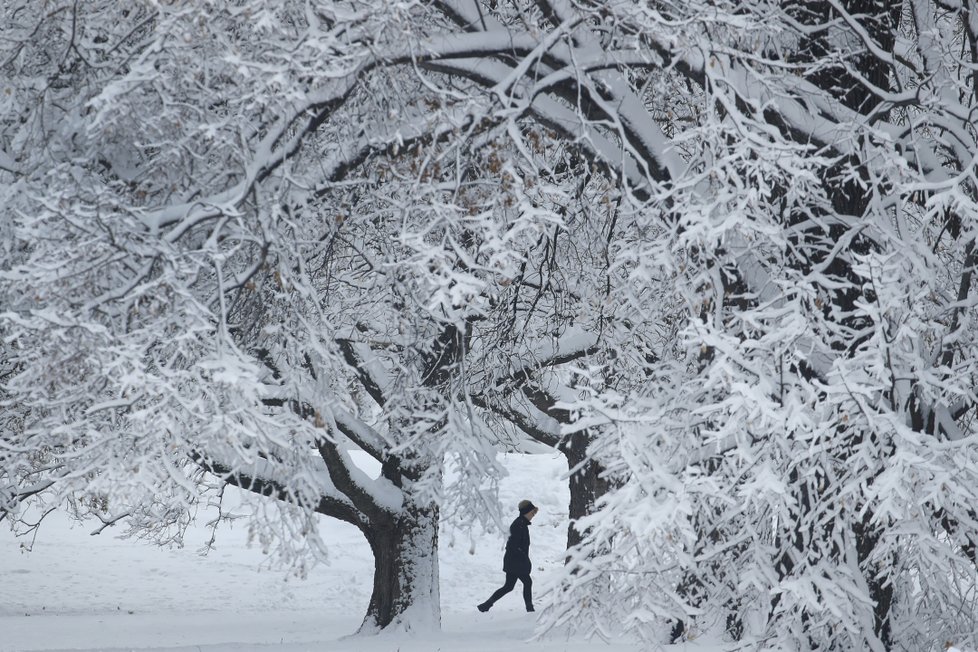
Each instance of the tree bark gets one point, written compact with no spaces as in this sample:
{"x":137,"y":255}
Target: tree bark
{"x":405,"y":550}
{"x":585,"y":484}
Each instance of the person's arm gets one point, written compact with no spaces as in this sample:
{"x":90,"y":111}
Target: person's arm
{"x":524,"y":539}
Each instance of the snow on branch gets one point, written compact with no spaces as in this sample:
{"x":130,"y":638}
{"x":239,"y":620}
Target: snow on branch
{"x":573,"y":344}
{"x":537,"y":425}
{"x":367,"y":368}
{"x":368,"y":496}
{"x":8,"y":164}
{"x":261,"y":478}
{"x":358,"y":432}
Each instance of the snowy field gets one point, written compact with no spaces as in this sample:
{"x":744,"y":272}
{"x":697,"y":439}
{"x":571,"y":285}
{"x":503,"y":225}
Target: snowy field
{"x":82,"y":592}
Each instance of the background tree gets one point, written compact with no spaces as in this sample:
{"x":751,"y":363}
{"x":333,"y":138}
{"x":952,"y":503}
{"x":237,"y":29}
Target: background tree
{"x":808,"y":362}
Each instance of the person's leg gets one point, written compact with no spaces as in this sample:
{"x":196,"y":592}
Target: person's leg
{"x":500,"y":592}
{"x":527,"y":592}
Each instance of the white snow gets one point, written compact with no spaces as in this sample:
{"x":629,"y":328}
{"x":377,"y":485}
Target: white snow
{"x":7,"y":162}
{"x":82,"y":592}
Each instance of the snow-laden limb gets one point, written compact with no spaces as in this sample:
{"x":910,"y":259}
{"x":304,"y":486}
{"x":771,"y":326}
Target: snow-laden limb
{"x":537,"y":425}
{"x":367,"y":495}
{"x":7,"y":163}
{"x":266,"y":478}
{"x":13,"y":495}
{"x":554,"y":114}
{"x":617,"y":99}
{"x":644,"y":136}
{"x":810,"y":115}
{"x":572,"y":344}
{"x":374,"y":378}
{"x":285,"y":137}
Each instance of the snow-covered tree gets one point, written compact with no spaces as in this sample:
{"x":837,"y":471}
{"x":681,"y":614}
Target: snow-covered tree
{"x":799,"y":472}
{"x":726,"y":248}
{"x":253,"y":238}
{"x":198,"y":267}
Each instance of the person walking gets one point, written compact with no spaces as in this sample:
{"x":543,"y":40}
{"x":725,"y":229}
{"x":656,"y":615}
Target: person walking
{"x":516,"y":561}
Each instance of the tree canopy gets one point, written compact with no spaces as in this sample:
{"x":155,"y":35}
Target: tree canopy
{"x":720,"y":253}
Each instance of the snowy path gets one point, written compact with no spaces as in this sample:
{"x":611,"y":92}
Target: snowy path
{"x":275,"y":630}
{"x":79,"y":592}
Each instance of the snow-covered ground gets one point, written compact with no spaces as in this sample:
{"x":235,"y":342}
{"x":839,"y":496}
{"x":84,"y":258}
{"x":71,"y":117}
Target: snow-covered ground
{"x":80,"y":592}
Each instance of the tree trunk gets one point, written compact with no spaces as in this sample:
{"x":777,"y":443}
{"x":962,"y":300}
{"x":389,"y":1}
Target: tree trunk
{"x":405,"y":592}
{"x":585,"y":484}
{"x":880,"y":591}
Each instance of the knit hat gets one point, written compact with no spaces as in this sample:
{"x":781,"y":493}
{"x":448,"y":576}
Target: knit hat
{"x":526,"y":507}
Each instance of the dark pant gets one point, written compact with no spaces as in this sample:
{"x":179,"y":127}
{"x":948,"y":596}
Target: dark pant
{"x":508,"y":586}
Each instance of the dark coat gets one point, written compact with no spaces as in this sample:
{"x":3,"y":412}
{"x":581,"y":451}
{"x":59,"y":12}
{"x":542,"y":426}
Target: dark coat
{"x":516,"y":561}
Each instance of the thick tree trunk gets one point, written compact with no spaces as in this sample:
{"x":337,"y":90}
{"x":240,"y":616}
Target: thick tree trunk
{"x":586,"y":484}
{"x":405,"y":592}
